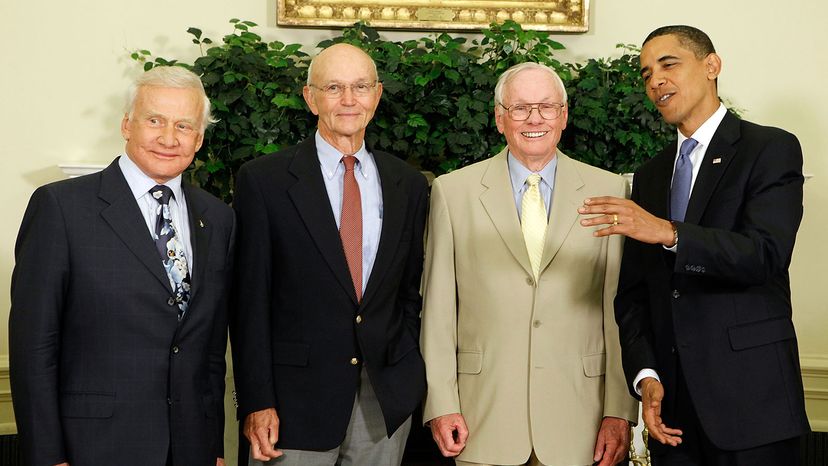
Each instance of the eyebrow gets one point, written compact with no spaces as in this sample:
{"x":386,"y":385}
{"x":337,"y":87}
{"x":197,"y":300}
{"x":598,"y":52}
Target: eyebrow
{"x":660,"y":60}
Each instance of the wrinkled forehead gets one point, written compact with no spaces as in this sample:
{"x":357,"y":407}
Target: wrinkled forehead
{"x":346,"y":65}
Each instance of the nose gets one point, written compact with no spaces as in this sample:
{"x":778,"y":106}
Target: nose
{"x":348,"y":97}
{"x":535,"y":116}
{"x":167,"y":136}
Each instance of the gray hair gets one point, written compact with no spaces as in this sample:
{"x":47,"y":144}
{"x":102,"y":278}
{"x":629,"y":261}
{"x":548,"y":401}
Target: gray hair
{"x":512,"y":72}
{"x":174,"y":77}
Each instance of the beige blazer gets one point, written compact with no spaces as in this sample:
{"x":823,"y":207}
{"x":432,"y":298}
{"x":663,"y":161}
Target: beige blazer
{"x":529,"y":365}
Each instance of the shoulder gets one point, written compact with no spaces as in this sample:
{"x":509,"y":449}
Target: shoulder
{"x":279,"y":160}
{"x":763,"y":134}
{"x":469,"y":174}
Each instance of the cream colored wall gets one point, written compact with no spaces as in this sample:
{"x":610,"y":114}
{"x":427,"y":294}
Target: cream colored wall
{"x":65,"y":68}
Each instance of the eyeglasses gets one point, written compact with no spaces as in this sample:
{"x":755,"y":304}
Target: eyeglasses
{"x":337,"y":89}
{"x":521,"y":112}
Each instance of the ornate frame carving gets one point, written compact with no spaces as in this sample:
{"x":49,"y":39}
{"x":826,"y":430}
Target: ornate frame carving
{"x":541,"y":15}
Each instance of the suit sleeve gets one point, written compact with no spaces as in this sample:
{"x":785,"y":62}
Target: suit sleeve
{"x":617,"y":401}
{"x":438,"y":339}
{"x":218,"y":346}
{"x":761,"y":243}
{"x":38,"y":292}
{"x":409,"y":300}
{"x":250,"y":325}
{"x":632,"y":309}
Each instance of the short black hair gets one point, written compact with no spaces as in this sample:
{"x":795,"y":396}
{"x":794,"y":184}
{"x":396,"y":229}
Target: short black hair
{"x":691,"y":38}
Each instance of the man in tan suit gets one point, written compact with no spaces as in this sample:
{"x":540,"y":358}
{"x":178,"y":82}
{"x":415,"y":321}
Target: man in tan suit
{"x":519,"y":338}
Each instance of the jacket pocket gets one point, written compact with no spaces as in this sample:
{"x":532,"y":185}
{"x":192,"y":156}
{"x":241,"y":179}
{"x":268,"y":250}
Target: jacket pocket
{"x":595,"y":365}
{"x":290,"y":353}
{"x":469,"y":362}
{"x":760,"y":333}
{"x":93,"y":405}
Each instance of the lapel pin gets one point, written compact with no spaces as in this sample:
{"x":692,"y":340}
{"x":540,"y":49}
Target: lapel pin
{"x":201,"y":223}
{"x":717,"y":160}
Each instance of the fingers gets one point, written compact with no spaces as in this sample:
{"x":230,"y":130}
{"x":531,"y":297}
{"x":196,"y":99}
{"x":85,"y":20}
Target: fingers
{"x":450,"y":434}
{"x":262,"y":430}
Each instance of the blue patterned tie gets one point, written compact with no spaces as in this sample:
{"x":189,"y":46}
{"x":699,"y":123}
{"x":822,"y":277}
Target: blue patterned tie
{"x":170,"y":249}
{"x":682,"y":177}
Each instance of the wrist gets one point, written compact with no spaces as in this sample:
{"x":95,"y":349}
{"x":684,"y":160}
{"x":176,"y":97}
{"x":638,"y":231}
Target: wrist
{"x":673,"y":237}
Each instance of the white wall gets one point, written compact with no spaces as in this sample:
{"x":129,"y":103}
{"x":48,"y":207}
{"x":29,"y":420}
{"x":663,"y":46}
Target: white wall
{"x":65,"y":68}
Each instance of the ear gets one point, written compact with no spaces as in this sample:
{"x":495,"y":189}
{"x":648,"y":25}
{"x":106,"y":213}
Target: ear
{"x":125,"y":127}
{"x":564,"y":116}
{"x":306,"y":93}
{"x":713,"y":62}
{"x":500,"y":114}
{"x":199,"y":141}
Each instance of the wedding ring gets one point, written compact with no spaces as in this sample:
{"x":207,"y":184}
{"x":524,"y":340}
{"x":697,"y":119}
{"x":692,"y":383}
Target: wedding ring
{"x":614,"y":219}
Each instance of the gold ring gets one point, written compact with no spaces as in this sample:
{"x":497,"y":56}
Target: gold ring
{"x":614,"y":219}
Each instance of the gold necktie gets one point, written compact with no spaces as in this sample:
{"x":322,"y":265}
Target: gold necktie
{"x":533,"y":222}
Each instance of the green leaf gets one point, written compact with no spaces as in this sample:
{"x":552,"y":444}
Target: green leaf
{"x":195,"y":32}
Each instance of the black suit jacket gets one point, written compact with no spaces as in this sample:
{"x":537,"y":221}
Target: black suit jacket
{"x":102,"y":372}
{"x":722,"y":303}
{"x":296,"y":328}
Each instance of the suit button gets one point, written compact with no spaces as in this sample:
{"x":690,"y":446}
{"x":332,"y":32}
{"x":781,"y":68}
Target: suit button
{"x":530,"y":281}
{"x":175,"y":350}
{"x":171,"y":301}
{"x":536,"y":324}
{"x":354,"y":361}
{"x":358,"y":319}
{"x":673,"y":349}
{"x":676,"y":294}
{"x":169,"y":402}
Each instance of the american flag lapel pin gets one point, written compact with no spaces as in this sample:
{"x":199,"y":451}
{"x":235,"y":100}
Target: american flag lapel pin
{"x":201,"y":223}
{"x":717,"y":160}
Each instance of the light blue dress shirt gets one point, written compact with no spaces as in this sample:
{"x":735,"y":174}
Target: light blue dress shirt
{"x":370,"y":192}
{"x":518,"y":174}
{"x":140,"y":184}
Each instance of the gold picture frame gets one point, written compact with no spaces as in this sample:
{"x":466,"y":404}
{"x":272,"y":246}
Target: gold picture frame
{"x":557,"y":15}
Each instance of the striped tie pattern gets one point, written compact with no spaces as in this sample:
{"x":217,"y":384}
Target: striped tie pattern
{"x":533,"y":222}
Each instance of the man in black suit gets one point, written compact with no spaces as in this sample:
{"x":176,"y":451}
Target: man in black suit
{"x":119,"y":299}
{"x":325,"y":343}
{"x":704,"y":301}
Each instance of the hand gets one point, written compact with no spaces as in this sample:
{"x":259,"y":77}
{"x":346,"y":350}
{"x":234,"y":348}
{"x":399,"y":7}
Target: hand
{"x":652,"y":393}
{"x":262,"y":430}
{"x":613,"y":441}
{"x":62,"y":464}
{"x":219,"y":461}
{"x":450,"y":433}
{"x":627,"y":218}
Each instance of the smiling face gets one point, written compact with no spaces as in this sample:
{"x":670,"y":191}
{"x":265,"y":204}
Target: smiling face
{"x":681,"y":85}
{"x":533,"y":142}
{"x":164,"y":131}
{"x":342,"y":119}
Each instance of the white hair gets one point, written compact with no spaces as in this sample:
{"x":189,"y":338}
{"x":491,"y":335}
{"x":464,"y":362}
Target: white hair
{"x":174,"y":77}
{"x":512,"y":72}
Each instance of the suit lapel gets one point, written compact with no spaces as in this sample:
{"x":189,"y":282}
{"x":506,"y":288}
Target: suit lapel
{"x":200,"y":233}
{"x":716,"y":160}
{"x":311,"y":200}
{"x":564,"y":211}
{"x":394,"y":211}
{"x":498,"y":201}
{"x":125,"y":218}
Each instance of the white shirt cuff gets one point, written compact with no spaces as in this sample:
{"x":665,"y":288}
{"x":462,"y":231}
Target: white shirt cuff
{"x":643,"y":374}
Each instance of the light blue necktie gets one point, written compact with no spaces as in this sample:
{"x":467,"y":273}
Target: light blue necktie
{"x":682,"y":177}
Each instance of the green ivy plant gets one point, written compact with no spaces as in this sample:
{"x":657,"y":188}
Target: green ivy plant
{"x":437,"y":105}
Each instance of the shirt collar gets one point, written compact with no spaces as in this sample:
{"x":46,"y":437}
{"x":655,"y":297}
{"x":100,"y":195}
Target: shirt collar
{"x":330,"y":157}
{"x":705,"y":133}
{"x":518,"y":172}
{"x":140,"y":184}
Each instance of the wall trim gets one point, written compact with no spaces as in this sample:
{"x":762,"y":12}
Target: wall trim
{"x":815,"y":383}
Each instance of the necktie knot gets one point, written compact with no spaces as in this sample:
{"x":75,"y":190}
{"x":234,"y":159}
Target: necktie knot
{"x":687,"y":147}
{"x":162,"y":194}
{"x":349,"y":161}
{"x":533,"y":179}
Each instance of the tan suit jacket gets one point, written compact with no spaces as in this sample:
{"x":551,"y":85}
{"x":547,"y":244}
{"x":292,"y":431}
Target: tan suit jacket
{"x":529,"y":365}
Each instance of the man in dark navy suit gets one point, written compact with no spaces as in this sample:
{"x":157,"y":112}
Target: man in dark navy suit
{"x":118,"y":322}
{"x":325,"y":343}
{"x":704,"y":300}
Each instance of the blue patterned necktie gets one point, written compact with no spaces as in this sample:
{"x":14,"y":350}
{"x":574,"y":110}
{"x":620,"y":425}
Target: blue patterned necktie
{"x":682,"y":178}
{"x":170,"y":249}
